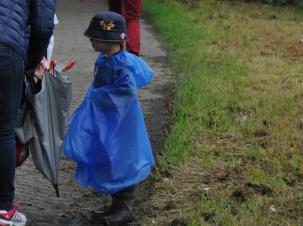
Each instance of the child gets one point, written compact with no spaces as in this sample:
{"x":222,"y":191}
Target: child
{"x":107,"y":135}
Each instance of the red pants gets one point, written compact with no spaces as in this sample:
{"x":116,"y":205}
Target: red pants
{"x":131,"y":10}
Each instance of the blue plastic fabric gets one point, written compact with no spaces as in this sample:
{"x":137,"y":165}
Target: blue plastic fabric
{"x":107,"y":135}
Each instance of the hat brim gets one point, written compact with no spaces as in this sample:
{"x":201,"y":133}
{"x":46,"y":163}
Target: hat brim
{"x":113,"y":37}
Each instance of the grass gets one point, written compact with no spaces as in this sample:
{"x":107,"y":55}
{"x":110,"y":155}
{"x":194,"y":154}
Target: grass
{"x":237,"y":112}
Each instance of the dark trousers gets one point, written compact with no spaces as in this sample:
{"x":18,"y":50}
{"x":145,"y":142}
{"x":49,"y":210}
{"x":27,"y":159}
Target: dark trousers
{"x":11,"y":82}
{"x":127,"y":194}
{"x":131,"y":10}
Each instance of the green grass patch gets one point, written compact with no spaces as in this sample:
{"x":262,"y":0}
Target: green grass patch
{"x":238,"y":107}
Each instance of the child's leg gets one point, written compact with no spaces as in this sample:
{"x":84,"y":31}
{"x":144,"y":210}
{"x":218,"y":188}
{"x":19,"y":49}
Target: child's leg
{"x":127,"y":196}
{"x":122,"y":204}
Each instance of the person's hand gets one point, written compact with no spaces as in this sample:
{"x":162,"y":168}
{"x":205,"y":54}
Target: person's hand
{"x":39,"y":71}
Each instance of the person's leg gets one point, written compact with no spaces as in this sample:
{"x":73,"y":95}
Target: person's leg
{"x":115,"y":6}
{"x":11,"y":81}
{"x":132,"y":13}
{"x":122,"y":207}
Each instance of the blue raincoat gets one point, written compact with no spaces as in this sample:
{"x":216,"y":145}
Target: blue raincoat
{"x":107,"y":135}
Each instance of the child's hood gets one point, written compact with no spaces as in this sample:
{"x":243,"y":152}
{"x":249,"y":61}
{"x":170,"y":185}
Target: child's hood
{"x":142,"y":73}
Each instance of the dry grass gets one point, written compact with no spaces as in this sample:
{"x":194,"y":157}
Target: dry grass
{"x":243,"y":126}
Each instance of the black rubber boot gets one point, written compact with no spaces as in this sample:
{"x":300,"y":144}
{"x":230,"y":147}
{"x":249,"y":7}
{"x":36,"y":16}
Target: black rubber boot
{"x":105,"y":211}
{"x":122,"y":212}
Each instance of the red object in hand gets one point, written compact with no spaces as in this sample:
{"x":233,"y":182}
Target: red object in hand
{"x":69,"y":66}
{"x":21,"y":153}
{"x":52,"y":64}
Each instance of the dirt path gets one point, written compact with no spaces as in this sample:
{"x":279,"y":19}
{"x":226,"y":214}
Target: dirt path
{"x":75,"y":206}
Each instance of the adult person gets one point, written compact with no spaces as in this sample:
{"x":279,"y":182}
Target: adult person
{"x":25,"y":29}
{"x":131,"y":10}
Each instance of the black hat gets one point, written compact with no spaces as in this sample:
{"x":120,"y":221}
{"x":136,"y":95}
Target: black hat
{"x":108,"y":27}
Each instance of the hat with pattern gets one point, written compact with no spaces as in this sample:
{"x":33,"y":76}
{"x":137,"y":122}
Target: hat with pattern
{"x":107,"y":27}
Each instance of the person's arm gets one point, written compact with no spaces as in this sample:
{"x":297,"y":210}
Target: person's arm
{"x":42,"y":26}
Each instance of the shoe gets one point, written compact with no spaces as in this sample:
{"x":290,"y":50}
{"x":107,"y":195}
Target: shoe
{"x":119,"y":218}
{"x":12,"y":217}
{"x":103,"y":212}
{"x":3,"y":224}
